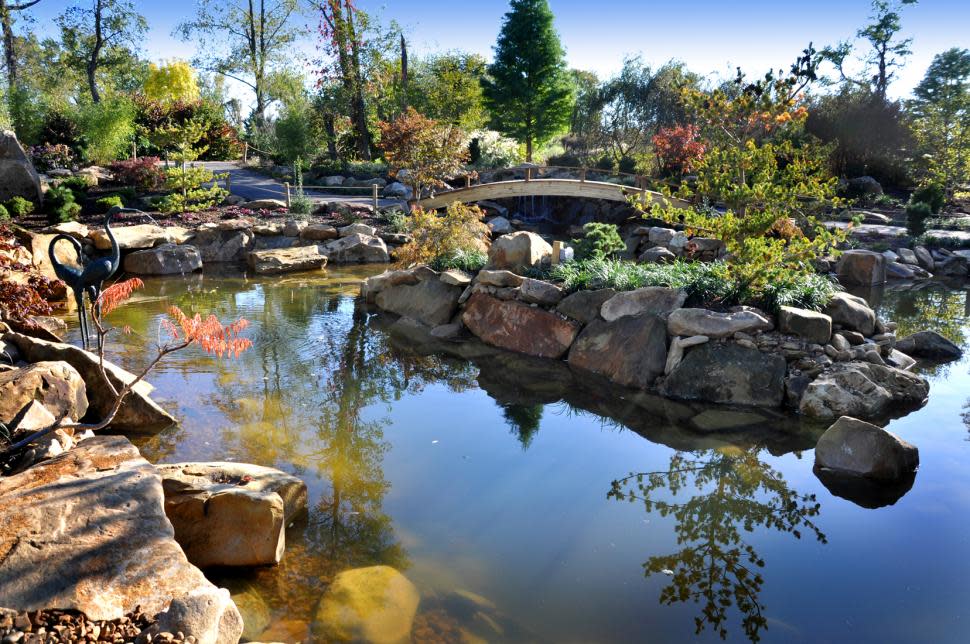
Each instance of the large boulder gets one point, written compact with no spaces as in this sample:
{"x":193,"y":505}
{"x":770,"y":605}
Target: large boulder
{"x":518,"y":252}
{"x":431,"y":301}
{"x":630,"y":350}
{"x":862,"y":267}
{"x":356,"y":248}
{"x":231,"y":514}
{"x":87,"y":531}
{"x":17,"y":175}
{"x":222,"y":246}
{"x":370,"y":287}
{"x":539,"y":292}
{"x":714,"y":324}
{"x":358,"y":228}
{"x":519,"y":327}
{"x":929,"y":345}
{"x":56,"y":385}
{"x":286,"y":260}
{"x":374,"y":605}
{"x":728,"y":373}
{"x":319,"y":232}
{"x":396,"y":190}
{"x":811,"y":325}
{"x":167,"y":259}
{"x":851,"y":312}
{"x":40,"y":258}
{"x":207,"y":614}
{"x":265,"y":204}
{"x":652,"y":300}
{"x":138,"y":414}
{"x":585,"y":305}
{"x":861,"y":389}
{"x":857,"y":448}
{"x":137,"y":237}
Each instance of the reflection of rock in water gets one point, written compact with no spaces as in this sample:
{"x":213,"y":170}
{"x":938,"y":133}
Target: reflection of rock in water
{"x":862,"y":491}
{"x":464,"y":616}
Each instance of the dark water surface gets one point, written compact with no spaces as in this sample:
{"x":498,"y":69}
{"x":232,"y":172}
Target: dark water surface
{"x":528,"y":504}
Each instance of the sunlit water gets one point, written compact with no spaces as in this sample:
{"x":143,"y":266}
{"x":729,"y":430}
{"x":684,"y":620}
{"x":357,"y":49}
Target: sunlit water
{"x":490,"y":484}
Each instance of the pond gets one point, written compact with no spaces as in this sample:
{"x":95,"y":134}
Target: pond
{"x":530,"y":505}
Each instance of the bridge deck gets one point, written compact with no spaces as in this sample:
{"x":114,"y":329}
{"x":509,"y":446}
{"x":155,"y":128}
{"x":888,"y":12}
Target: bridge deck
{"x":546,"y":187}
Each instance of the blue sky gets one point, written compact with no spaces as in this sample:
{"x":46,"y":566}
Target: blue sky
{"x":710,"y":36}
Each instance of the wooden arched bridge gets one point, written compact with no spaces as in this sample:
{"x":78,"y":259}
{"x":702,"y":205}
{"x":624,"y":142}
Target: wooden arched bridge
{"x":537,"y":182}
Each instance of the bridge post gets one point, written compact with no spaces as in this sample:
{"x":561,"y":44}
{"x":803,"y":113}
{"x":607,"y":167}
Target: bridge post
{"x":287,"y":184}
{"x":468,"y":181}
{"x":376,"y":200}
{"x":582,"y":175}
{"x":245,"y":152}
{"x":528,"y":174}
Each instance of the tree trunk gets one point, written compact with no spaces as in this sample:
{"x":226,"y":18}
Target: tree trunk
{"x":331,"y":130}
{"x":95,"y":59}
{"x":528,"y":148}
{"x":8,"y":45}
{"x":404,"y":74}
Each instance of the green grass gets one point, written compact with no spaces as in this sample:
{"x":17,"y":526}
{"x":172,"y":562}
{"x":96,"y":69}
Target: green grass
{"x":706,"y":283}
{"x":462,"y":260}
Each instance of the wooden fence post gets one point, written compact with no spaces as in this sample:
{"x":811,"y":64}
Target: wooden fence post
{"x":582,"y":175}
{"x":287,"y":184}
{"x":375,"y":197}
{"x":245,"y":152}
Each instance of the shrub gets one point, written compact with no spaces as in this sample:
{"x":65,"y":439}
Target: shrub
{"x":78,"y":183}
{"x":144,"y":173}
{"x":566,"y":159}
{"x":429,"y":150}
{"x":189,"y":190}
{"x":300,"y":204}
{"x":600,"y":241}
{"x":397,"y":220}
{"x":460,"y":228}
{"x":627,"y":164}
{"x":61,"y":204}
{"x":108,"y":128}
{"x":461,"y":260}
{"x":604,"y":163}
{"x":19,"y":207}
{"x":932,"y":194}
{"x":489,"y":149}
{"x":4,"y":214}
{"x":917,"y":212}
{"x":104,"y":204}
{"x":48,"y":157}
{"x":678,"y":149}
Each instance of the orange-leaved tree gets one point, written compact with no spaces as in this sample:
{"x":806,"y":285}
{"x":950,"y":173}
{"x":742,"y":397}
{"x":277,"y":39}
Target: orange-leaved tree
{"x":427,"y":150}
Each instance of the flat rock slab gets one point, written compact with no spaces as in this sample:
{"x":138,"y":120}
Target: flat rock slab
{"x":87,"y":531}
{"x":713,"y":324}
{"x":519,"y":327}
{"x":655,"y":300}
{"x":287,"y":260}
{"x":139,"y":414}
{"x":132,"y":237}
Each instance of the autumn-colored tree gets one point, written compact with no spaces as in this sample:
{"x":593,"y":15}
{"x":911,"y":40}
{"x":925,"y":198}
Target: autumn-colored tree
{"x":678,"y":149}
{"x":428,"y":150}
{"x":171,"y":81}
{"x":460,"y":229}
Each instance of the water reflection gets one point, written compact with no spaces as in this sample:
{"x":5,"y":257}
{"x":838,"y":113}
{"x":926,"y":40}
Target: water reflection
{"x":717,"y":498}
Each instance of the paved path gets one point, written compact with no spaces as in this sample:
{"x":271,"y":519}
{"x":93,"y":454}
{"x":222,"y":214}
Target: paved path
{"x":249,"y":184}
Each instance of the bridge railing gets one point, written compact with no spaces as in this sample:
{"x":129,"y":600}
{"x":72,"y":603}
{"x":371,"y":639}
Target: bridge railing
{"x":537,"y":172}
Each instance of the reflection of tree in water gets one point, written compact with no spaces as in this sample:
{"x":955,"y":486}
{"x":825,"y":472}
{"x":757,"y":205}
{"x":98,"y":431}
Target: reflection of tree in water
{"x":935,"y":307}
{"x":732,"y":493}
{"x":523,"y":420}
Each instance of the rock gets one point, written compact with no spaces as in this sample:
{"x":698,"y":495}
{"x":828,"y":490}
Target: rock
{"x":676,"y":352}
{"x":861,"y":389}
{"x":840,"y":343}
{"x":293,"y":227}
{"x":17,"y":175}
{"x":356,"y":248}
{"x":854,"y":447}
{"x":906,"y":256}
{"x":398,"y":239}
{"x":220,"y":246}
{"x":371,"y":286}
{"x":852,"y":313}
{"x":135,"y":237}
{"x":431,"y":302}
{"x":357,"y":229}
{"x":900,"y":360}
{"x":255,"y":612}
{"x":656,"y":255}
{"x":332,"y":181}
{"x":863,"y":187}
{"x":167,"y":259}
{"x":655,"y":300}
{"x":854,"y":338}
{"x":929,"y":345}
{"x":501,"y":279}
{"x":104,"y":548}
{"x":713,"y":324}
{"x":208,"y":614}
{"x":499,"y":225}
{"x":924,"y":258}
{"x":319,"y":232}
{"x":456,"y":278}
{"x":659,"y":236}
{"x":396,"y":190}
{"x":585,"y":305}
{"x":630,"y":351}
{"x":286,"y":260}
{"x":728,"y":373}
{"x":270,"y":229}
{"x":811,"y":325}
{"x":265,"y":204}
{"x":447,"y":331}
{"x":75,"y":229}
{"x":231,"y":514}
{"x":518,"y":327}
{"x":954,"y":266}
{"x":518,"y":252}
{"x":861,"y":267}
{"x":539,"y":292}
{"x":138,"y":414}
{"x":890,"y":257}
{"x":374,"y":605}
{"x":233,"y":200}
{"x":678,"y":243}
{"x":56,"y":385}
{"x":897,"y":271}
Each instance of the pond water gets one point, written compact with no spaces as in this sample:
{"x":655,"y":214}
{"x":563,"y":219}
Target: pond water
{"x":528,"y":504}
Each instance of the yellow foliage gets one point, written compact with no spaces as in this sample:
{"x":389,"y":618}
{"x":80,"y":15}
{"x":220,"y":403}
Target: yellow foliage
{"x":172,"y":81}
{"x":460,"y":228}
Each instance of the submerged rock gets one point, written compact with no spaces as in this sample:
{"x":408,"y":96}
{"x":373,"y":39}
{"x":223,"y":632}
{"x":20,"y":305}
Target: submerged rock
{"x":431,"y":301}
{"x":861,"y":389}
{"x":286,"y":260}
{"x":855,"y":447}
{"x":630,"y":351}
{"x":519,"y":327}
{"x":367,"y":605}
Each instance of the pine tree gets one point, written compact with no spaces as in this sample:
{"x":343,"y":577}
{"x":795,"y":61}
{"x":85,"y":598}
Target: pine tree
{"x":529,"y":92}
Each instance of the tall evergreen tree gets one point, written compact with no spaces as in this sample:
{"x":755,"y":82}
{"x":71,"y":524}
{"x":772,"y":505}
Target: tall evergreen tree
{"x":529,"y":92}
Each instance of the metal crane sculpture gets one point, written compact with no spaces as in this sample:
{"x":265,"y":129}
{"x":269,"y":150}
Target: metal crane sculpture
{"x":90,"y":278}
